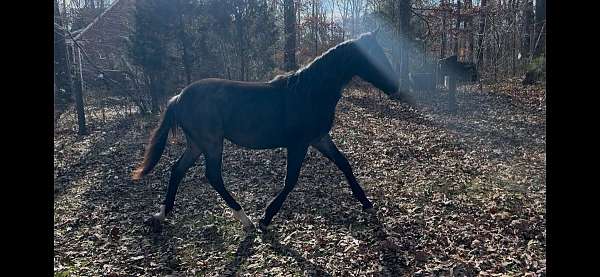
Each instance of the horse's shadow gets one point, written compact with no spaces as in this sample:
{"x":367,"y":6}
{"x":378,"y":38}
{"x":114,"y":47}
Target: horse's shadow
{"x":393,"y":263}
{"x":391,"y":259}
{"x":349,"y":214}
{"x":273,"y":238}
{"x":244,"y":250}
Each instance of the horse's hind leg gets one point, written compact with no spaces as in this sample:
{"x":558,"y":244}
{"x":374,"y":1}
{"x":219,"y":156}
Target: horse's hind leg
{"x":326,"y":146}
{"x":178,"y":171}
{"x":214,"y":154}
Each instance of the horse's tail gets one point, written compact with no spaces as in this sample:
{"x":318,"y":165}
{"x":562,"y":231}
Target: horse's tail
{"x":158,"y":140}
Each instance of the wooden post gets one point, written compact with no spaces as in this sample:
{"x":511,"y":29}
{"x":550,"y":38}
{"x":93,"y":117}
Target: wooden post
{"x":480,"y":86}
{"x":103,"y":98}
{"x":451,"y":93}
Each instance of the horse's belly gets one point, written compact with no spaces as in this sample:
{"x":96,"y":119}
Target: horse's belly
{"x":267,"y":136}
{"x":255,"y":132}
{"x":257,"y":140}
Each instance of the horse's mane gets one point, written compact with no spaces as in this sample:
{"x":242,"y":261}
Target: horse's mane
{"x":320,"y":68}
{"x":332,"y":54}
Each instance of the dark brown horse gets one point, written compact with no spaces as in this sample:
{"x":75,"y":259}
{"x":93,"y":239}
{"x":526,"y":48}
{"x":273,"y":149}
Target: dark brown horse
{"x":295,"y":111}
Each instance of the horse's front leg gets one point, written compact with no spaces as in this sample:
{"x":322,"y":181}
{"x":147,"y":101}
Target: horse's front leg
{"x":326,"y":146}
{"x":295,"y":157}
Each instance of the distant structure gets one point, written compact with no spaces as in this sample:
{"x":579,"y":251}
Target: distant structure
{"x":102,"y":60}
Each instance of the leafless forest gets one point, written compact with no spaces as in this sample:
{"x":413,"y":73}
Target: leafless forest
{"x":457,"y":178}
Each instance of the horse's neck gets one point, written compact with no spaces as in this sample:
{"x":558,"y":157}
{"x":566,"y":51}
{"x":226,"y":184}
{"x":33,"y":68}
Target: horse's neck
{"x":325,"y":82}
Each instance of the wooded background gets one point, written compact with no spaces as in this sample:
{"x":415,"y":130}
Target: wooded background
{"x":135,"y":54}
{"x":456,"y":193}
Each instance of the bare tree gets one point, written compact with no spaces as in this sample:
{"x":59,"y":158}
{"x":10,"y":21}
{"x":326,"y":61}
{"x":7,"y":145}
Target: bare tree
{"x":514,"y":29}
{"x":315,"y":27}
{"x":527,"y":30}
{"x":469,"y":26}
{"x":345,"y":9}
{"x":62,"y":71}
{"x":62,"y":74}
{"x":184,"y":39}
{"x":443,"y":36}
{"x":457,"y":29}
{"x":404,"y":12}
{"x":481,"y":33}
{"x":240,"y":27}
{"x":540,"y":26}
{"x":289,"y":58}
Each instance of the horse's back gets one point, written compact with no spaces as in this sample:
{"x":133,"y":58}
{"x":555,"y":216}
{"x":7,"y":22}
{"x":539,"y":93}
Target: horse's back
{"x":247,"y":113}
{"x":225,"y":88}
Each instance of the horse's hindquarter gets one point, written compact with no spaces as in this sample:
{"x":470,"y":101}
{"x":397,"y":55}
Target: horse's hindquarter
{"x":248,"y":114}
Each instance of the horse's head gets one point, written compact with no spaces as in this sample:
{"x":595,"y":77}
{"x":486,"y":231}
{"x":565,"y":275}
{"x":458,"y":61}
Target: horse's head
{"x":373,"y":66}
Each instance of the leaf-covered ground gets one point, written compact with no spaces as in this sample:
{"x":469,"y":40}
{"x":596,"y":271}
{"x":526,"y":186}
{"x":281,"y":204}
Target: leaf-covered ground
{"x":456,"y":194}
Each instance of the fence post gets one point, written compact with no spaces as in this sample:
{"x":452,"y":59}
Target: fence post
{"x":451,"y":93}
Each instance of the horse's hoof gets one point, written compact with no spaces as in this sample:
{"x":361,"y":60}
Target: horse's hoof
{"x":161,"y":215}
{"x":154,"y":224}
{"x":370,"y":210}
{"x":265,"y":232}
{"x":263,"y":227}
{"x":158,"y":217}
{"x":249,"y":228}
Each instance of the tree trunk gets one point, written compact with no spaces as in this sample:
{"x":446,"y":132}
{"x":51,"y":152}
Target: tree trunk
{"x":242,"y":62}
{"x":289,"y":58}
{"x":440,"y":77}
{"x":353,"y":12}
{"x":241,"y":37}
{"x":470,"y":27}
{"x":332,"y":21}
{"x":154,"y":94}
{"x":482,"y":23}
{"x":527,"y":31}
{"x":405,"y":35}
{"x":540,"y":20}
{"x":315,"y":28}
{"x":344,"y":19}
{"x":184,"y":40}
{"x":443,"y":46}
{"x":457,"y":30}
{"x":513,"y":15}
{"x":62,"y":72}
{"x":78,"y":93}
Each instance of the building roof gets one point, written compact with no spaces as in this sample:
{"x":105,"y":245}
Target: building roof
{"x":82,"y":31}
